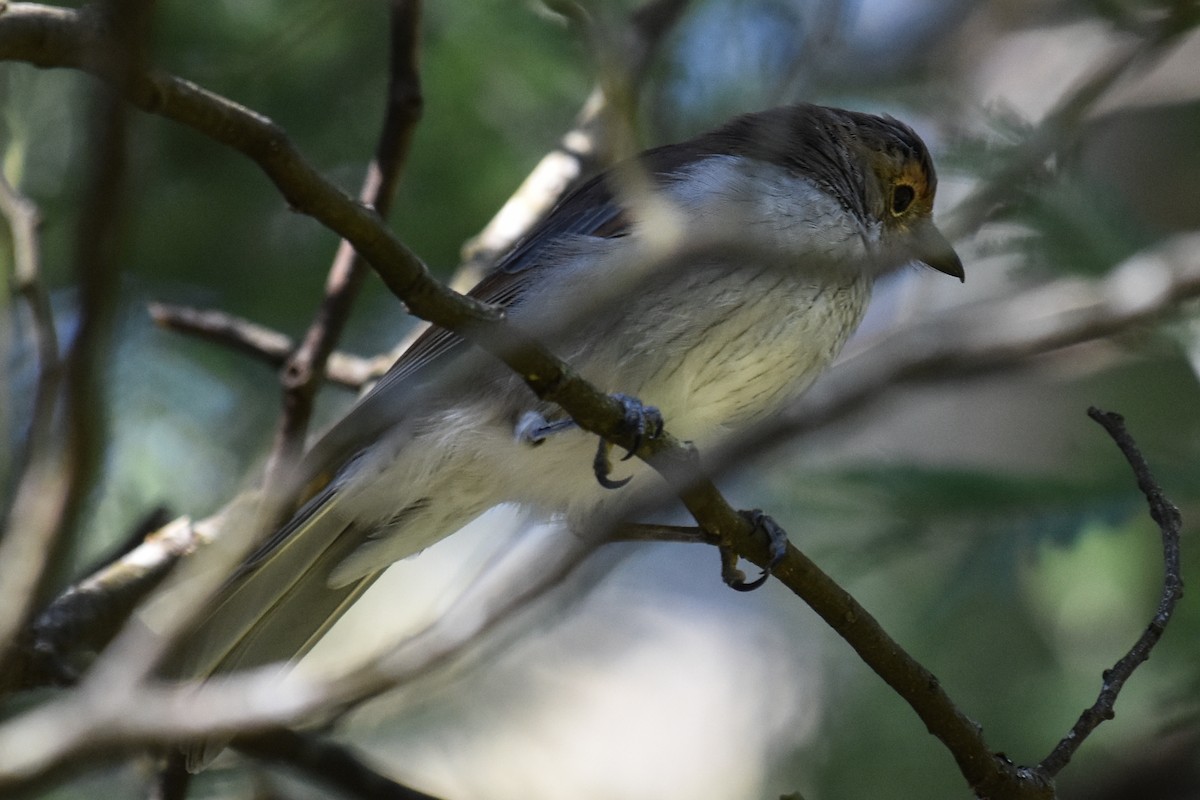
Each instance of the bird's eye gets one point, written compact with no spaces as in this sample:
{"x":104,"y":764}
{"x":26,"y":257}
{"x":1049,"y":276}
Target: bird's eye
{"x":902,"y":197}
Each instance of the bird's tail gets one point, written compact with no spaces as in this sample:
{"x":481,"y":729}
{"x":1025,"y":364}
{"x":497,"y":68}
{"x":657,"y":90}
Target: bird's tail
{"x":277,"y":606}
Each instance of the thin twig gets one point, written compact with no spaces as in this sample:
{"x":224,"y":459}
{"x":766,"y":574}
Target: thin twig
{"x":1060,"y":130}
{"x":655,"y":532}
{"x":255,"y":340}
{"x":324,"y":762}
{"x":305,"y":368}
{"x":1170,"y":523}
{"x":57,"y":40}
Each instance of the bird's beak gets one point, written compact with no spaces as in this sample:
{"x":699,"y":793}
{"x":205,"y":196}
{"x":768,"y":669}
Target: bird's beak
{"x":930,"y":247}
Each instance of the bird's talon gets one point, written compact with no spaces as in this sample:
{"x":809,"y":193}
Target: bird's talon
{"x":529,"y":429}
{"x":733,"y":577}
{"x":644,"y":421}
{"x":777,"y":540}
{"x":609,"y":483}
{"x":601,"y":466}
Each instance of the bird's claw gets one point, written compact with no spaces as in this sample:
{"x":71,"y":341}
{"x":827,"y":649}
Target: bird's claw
{"x":602,"y":466}
{"x":777,"y":543}
{"x":644,"y":422}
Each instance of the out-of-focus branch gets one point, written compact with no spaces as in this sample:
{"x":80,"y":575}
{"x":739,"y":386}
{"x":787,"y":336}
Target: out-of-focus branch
{"x":973,"y":346}
{"x":326,"y":763}
{"x":256,"y":700}
{"x":51,"y":37}
{"x":581,"y":151}
{"x":305,"y":368}
{"x":58,"y":39}
{"x":1167,"y":517}
{"x":1059,"y":132}
{"x":257,"y":341}
{"x":647,"y":28}
{"x":24,"y":219}
{"x":987,"y":337}
{"x":36,"y":551}
{"x":172,"y":781}
{"x":82,"y":620}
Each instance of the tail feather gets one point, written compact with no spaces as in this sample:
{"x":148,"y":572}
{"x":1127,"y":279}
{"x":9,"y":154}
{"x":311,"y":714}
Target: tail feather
{"x":278,"y":605}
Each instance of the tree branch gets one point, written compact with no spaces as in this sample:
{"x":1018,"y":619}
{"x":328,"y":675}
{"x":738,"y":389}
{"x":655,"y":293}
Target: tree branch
{"x":303,"y":371}
{"x":24,"y":220}
{"x":34,"y":555}
{"x":258,"y":341}
{"x":193,"y":104}
{"x":1167,"y":517}
{"x":580,"y":152}
{"x":58,"y":39}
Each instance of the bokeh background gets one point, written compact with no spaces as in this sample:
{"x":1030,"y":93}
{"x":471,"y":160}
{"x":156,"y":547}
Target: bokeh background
{"x":992,"y":527}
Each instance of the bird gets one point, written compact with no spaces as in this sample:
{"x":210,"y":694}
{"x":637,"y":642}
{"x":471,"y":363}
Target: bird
{"x":816,"y":203}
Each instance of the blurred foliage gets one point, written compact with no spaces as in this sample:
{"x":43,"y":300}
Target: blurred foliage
{"x":1016,"y":576}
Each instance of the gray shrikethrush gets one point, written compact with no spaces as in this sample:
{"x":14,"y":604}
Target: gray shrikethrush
{"x":812,"y":204}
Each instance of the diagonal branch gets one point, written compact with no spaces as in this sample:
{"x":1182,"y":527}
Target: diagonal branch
{"x":60,"y":39}
{"x":648,"y":26}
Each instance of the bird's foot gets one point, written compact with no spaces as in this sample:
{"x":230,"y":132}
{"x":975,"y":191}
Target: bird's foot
{"x":777,"y":543}
{"x":643,"y":422}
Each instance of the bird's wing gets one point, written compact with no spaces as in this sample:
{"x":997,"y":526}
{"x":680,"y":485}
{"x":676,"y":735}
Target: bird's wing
{"x":280,"y":602}
{"x":591,"y":210}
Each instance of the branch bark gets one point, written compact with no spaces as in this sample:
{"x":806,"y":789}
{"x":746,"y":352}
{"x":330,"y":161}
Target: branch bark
{"x":1170,"y":523}
{"x":256,"y":341}
{"x":305,"y":368}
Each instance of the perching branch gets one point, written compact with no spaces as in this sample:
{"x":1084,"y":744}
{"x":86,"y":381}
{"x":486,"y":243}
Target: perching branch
{"x":59,"y":40}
